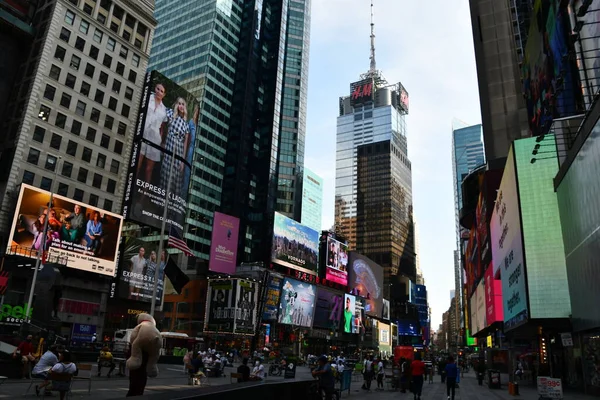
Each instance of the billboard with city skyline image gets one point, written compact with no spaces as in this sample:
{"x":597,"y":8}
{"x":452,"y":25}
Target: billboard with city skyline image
{"x":295,"y":245}
{"x":85,"y":237}
{"x":167,"y":123}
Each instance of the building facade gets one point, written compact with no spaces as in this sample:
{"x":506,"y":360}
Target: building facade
{"x":312,"y":200}
{"x":69,"y":127}
{"x":247,"y":63}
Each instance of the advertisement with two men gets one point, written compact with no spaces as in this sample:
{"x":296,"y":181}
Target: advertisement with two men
{"x":337,"y":262}
{"x":85,"y":237}
{"x":167,"y":125}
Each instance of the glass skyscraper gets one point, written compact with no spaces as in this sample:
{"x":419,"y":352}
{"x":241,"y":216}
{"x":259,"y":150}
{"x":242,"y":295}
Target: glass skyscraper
{"x":312,"y":200}
{"x":247,"y":63}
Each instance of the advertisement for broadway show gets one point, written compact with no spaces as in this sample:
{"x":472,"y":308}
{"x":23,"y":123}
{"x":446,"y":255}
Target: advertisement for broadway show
{"x":86,"y":237}
{"x":328,"y":309}
{"x":231,"y":306}
{"x":297,"y":303}
{"x":295,"y":245}
{"x":246,"y":302}
{"x":166,"y":127}
{"x":365,"y":277}
{"x":273,"y":295}
{"x":137,"y":270}
{"x":337,"y":262}
{"x":223,"y":247}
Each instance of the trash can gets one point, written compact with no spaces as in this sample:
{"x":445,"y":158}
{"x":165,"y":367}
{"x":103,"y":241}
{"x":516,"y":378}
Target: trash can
{"x":494,"y":379}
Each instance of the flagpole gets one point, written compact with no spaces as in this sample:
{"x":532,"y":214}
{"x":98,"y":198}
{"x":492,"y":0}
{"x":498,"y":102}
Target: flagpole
{"x":160,"y":243}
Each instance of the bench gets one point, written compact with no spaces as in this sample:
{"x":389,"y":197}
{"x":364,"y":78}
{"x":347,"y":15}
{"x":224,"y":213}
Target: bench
{"x":236,"y":376}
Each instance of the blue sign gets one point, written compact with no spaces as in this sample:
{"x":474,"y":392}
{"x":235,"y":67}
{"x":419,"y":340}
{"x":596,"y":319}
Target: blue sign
{"x":83,"y":333}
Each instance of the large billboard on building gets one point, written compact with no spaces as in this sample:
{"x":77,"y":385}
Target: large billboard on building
{"x":312,"y":200}
{"x":551,"y":84}
{"x":166,"y":126}
{"x":545,"y":264}
{"x":328,"y":309}
{"x":246,"y":301}
{"x":482,"y":231}
{"x":224,"y":242}
{"x":365,"y":277}
{"x":336,"y":262}
{"x":137,"y":269}
{"x":231,"y":306}
{"x":403,"y":99}
{"x":295,"y":245}
{"x":273,"y":294}
{"x":481,"y":309}
{"x":84,"y":237}
{"x":507,"y":248}
{"x":493,"y":297}
{"x":362,"y":91}
{"x":297,"y":303}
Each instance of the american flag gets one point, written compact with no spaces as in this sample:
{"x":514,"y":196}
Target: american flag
{"x":177,"y":242}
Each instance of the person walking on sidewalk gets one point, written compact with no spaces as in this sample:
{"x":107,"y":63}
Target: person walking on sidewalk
{"x":380,"y":374}
{"x":451,"y":376}
{"x":368,"y":373}
{"x":417,"y":368}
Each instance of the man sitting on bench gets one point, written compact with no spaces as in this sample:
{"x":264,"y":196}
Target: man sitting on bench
{"x":244,"y":370}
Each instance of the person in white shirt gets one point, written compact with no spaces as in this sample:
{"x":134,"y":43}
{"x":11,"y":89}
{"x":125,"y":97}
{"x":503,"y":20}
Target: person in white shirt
{"x":65,"y":366}
{"x":41,"y":369}
{"x":380,"y":374}
{"x":155,"y":116}
{"x":258,"y":372}
{"x":368,"y":374}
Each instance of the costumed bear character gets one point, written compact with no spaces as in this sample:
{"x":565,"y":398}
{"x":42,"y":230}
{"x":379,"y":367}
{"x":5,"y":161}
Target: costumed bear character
{"x":145,"y":338}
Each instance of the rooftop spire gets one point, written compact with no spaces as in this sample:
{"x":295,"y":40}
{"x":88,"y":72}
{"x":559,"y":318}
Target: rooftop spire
{"x":373,"y":63}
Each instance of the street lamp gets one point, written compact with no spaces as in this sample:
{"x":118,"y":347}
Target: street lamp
{"x":38,"y":260}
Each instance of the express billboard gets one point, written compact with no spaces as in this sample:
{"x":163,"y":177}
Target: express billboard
{"x":295,"y":245}
{"x":297,"y":303}
{"x":166,"y":127}
{"x":138,"y":262}
{"x":223,"y":246}
{"x":365,"y":277}
{"x":507,"y":247}
{"x":337,"y":262}
{"x":328,"y":309}
{"x":85,"y":237}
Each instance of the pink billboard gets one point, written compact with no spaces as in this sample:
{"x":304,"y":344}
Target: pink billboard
{"x":223,"y":247}
{"x":493,"y":297}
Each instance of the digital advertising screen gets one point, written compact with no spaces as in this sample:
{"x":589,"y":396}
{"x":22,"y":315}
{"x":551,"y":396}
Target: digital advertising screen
{"x":408,"y":328}
{"x":295,"y":245}
{"x":223,"y":246}
{"x":137,"y":269}
{"x":337,"y":262}
{"x":297,"y":303}
{"x":385,"y":313}
{"x":349,"y":314}
{"x":493,"y":297}
{"x":362,"y":91}
{"x":328,"y":309}
{"x":365,"y":277}
{"x":507,"y":248}
{"x":86,"y":237}
{"x":221,"y":307}
{"x":273,"y":295}
{"x":166,"y":127}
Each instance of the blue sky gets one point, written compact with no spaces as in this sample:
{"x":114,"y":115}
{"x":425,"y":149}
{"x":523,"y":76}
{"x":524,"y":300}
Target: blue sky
{"x":428,"y":46}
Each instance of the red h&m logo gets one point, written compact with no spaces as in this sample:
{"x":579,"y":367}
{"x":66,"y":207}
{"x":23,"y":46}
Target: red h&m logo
{"x":362,"y":91}
{"x":3,"y":281}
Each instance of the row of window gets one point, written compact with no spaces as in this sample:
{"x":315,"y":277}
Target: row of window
{"x":63,"y":190}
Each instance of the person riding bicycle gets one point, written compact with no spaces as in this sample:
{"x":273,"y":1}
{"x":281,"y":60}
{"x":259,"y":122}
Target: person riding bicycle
{"x":326,"y":378}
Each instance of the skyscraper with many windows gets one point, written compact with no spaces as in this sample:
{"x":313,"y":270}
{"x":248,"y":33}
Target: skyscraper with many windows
{"x":247,"y":63}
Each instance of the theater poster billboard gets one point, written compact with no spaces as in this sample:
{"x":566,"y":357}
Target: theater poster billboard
{"x":297,"y":303}
{"x":220,"y":307}
{"x":273,"y":295}
{"x":84,"y":237}
{"x":246,"y":301}
{"x":166,"y":127}
{"x":138,"y":262}
{"x":337,"y":262}
{"x":295,"y":245}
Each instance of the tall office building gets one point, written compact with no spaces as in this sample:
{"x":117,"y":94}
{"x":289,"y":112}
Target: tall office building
{"x":247,"y":63}
{"x":373,"y":207}
{"x":312,"y":200}
{"x":503,"y":112}
{"x":75,"y":97}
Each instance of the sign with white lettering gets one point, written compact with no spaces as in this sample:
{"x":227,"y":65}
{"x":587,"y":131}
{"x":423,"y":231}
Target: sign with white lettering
{"x":507,"y":248}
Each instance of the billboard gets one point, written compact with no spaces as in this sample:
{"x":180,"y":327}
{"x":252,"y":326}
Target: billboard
{"x":83,"y":333}
{"x":328,"y":309}
{"x":362,"y":91}
{"x":403,"y":98}
{"x":166,"y":126}
{"x":507,"y":248}
{"x":546,"y":270}
{"x":246,"y":307}
{"x":295,"y":245}
{"x":384,"y":334}
{"x":312,"y":200}
{"x":297,"y":303}
{"x":483,"y":237}
{"x":365,"y":277}
{"x":135,"y":278}
{"x":493,"y":297}
{"x":481,"y":309}
{"x":349,"y":322}
{"x":551,"y":84}
{"x":85,"y":237}
{"x":473,"y":313}
{"x":336,"y":262}
{"x":273,"y":294}
{"x":224,"y":243}
{"x":385,"y":313}
{"x":221,"y":307}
